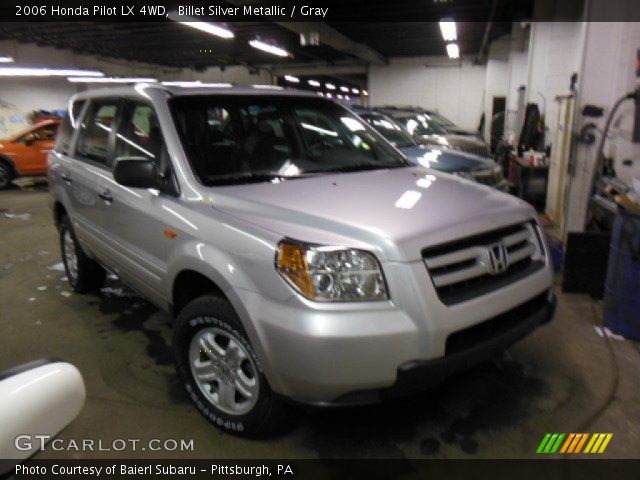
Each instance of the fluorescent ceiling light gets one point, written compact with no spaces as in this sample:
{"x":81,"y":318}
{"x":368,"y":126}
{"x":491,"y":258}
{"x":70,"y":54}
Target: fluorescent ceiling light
{"x":329,"y":95}
{"x":355,"y":91}
{"x":448,"y":29}
{"x":111,"y":80}
{"x":321,"y":94}
{"x":216,"y":30}
{"x":347,"y":98}
{"x":344,"y":89}
{"x":314,"y":83}
{"x":292,"y":79}
{"x":206,"y":27}
{"x":330,"y":86}
{"x":267,"y":47}
{"x":46,"y":72}
{"x":365,"y":93}
{"x":453,"y":50}
{"x":6,"y":59}
{"x":339,"y":96}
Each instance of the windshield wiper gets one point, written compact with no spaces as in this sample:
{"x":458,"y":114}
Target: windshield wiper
{"x":252,"y":177}
{"x":249,"y":177}
{"x":359,"y":167}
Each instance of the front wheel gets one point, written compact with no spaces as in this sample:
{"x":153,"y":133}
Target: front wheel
{"x":220,"y":370}
{"x":84,"y":274}
{"x":6,"y":175}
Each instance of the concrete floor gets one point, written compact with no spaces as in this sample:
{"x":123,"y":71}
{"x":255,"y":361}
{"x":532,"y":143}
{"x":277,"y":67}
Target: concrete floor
{"x":550,"y":382}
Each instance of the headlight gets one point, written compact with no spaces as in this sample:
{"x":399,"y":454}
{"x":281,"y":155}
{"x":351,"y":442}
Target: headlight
{"x":331,"y":274}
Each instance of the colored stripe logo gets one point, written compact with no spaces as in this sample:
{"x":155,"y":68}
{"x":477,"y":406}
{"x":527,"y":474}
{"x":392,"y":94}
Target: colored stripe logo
{"x":574,"y":443}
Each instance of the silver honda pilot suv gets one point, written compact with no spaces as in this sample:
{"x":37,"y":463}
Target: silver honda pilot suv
{"x":301,"y":255}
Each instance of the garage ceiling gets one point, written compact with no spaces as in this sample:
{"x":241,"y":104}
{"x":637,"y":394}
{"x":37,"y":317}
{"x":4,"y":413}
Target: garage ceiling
{"x":171,"y":44}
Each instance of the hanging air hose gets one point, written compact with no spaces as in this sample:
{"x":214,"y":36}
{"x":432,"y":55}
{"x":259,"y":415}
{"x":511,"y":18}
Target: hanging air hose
{"x":597,"y":169}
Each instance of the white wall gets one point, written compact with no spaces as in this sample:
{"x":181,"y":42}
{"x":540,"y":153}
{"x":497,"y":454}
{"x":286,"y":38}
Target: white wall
{"x":555,"y":53}
{"x":456,"y":91}
{"x":28,"y":94}
{"x":36,"y":93}
{"x":608,"y":72}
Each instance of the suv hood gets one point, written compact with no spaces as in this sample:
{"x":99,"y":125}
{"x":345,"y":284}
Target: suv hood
{"x":446,"y":160}
{"x":395,"y":213}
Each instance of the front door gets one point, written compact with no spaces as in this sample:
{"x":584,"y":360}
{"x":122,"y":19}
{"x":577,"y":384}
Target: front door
{"x":134,"y":216}
{"x":45,"y":140}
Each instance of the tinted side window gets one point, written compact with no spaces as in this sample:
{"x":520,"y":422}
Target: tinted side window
{"x":67,"y":127}
{"x":93,"y":138}
{"x":139,"y":133}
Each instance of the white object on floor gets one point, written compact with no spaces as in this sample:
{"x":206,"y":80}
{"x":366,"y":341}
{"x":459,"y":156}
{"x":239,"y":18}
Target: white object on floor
{"x":41,"y":400}
{"x":605,"y":331}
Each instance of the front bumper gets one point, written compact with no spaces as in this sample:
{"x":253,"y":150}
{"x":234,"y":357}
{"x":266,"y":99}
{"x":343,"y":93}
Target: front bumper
{"x":475,"y":345}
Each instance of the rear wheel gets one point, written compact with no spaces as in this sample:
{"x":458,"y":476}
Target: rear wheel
{"x":84,"y":274}
{"x":220,"y":370}
{"x":6,"y":175}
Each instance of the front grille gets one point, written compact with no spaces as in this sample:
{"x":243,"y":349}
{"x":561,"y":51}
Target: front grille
{"x":488,"y":177}
{"x":465,"y":269}
{"x":471,"y":337}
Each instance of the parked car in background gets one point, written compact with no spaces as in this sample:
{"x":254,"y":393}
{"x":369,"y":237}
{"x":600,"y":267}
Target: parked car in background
{"x":302,"y":255}
{"x":426,"y":130}
{"x":443,"y":122}
{"x":25,"y":153}
{"x":481,"y":169}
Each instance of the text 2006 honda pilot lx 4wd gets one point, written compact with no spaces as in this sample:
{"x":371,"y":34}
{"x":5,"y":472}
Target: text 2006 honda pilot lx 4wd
{"x":302,"y":254}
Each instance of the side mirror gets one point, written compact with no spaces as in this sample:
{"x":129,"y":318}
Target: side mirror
{"x":29,"y":138}
{"x":137,"y":172}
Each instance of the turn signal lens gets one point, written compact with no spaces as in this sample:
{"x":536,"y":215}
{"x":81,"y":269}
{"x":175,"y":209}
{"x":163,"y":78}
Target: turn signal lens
{"x":331,"y":274}
{"x":292,"y":264}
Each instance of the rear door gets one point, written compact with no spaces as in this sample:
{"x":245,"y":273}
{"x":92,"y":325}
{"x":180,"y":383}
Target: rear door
{"x":86,"y":175}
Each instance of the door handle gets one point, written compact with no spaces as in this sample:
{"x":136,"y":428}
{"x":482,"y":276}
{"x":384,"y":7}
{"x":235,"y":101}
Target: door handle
{"x":106,"y":196}
{"x":66,"y":178}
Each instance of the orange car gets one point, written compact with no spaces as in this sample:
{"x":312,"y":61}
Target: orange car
{"x":26,"y":153}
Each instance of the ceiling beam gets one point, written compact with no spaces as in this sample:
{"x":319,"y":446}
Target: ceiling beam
{"x":328,"y":35}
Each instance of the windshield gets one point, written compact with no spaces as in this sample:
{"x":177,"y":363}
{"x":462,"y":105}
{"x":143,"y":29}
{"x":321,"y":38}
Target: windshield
{"x":389,"y":129}
{"x":421,"y":124}
{"x":242,"y":139}
{"x":440,"y":119}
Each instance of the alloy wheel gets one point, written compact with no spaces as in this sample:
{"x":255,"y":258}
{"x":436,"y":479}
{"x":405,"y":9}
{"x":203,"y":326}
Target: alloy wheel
{"x":224,"y":371}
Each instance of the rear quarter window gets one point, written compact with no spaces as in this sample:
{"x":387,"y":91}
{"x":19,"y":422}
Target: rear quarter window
{"x":67,"y":128}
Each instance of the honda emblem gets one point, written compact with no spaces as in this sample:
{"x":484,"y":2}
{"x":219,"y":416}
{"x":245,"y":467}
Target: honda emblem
{"x":498,"y":258}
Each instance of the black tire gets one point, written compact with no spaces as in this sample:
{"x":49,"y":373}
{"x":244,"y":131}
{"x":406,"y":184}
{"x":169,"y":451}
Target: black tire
{"x":90,"y":275}
{"x":270,"y":415}
{"x":6,"y":175}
